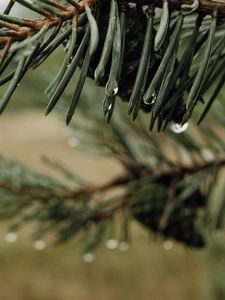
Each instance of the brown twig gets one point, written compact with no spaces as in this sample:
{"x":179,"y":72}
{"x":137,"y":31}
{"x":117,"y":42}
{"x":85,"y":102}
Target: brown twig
{"x":37,"y":193}
{"x":115,"y":183}
{"x":128,"y":178}
{"x":32,"y":26}
{"x":6,"y":49}
{"x":166,"y":213}
{"x":69,"y":12}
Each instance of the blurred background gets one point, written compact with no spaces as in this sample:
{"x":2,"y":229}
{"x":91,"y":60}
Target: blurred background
{"x":149,"y":269}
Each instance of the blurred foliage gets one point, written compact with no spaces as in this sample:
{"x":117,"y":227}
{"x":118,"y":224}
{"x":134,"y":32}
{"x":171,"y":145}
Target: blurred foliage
{"x":172,"y":184}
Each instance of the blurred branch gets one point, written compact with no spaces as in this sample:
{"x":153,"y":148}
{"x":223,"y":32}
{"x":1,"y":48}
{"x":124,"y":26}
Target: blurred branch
{"x":139,"y":173}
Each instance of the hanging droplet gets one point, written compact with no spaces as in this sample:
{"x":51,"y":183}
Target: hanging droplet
{"x":131,"y":5}
{"x":151,"y":100}
{"x":110,"y":106}
{"x":88,"y":257}
{"x":179,"y":128}
{"x":39,"y":245}
{"x":207,"y":155}
{"x":115,"y":91}
{"x":168,"y":245}
{"x":18,"y":84}
{"x":11,"y":237}
{"x":123,"y":246}
{"x":73,"y":142}
{"x":111,"y":244}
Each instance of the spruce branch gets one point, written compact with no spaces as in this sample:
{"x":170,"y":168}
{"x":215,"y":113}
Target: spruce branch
{"x":165,"y":63}
{"x":120,"y":181}
{"x":91,"y":203}
{"x":116,"y":59}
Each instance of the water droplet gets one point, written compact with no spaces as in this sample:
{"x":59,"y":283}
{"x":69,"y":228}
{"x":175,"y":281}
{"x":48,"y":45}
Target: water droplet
{"x":18,"y":84}
{"x":111,"y":244}
{"x":88,"y":257}
{"x":146,"y":102}
{"x":131,"y":5}
{"x":179,"y":128}
{"x":207,"y":155}
{"x":39,"y":245}
{"x":151,"y":100}
{"x":73,"y":142}
{"x":115,"y":91}
{"x":11,"y":237}
{"x":168,"y":245}
{"x":123,"y":246}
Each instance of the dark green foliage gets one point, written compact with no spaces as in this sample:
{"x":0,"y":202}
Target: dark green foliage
{"x":168,"y":80}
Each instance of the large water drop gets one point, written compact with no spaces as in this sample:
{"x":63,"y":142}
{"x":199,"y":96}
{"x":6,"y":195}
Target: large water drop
{"x":179,"y":128}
